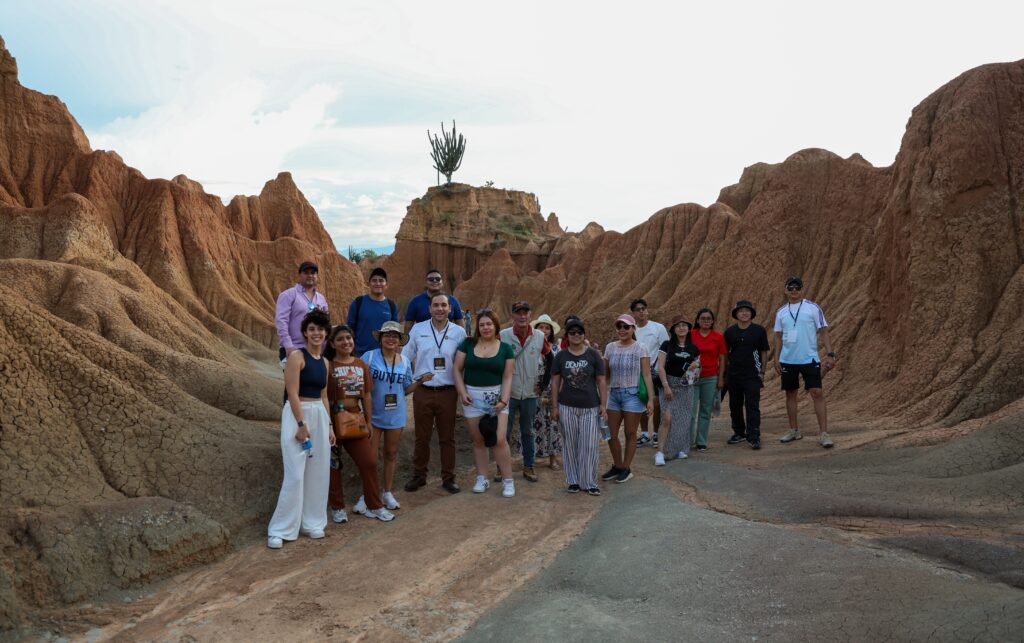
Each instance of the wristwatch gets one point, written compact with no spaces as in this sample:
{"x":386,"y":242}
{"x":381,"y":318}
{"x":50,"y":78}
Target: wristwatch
{"x":301,"y":424}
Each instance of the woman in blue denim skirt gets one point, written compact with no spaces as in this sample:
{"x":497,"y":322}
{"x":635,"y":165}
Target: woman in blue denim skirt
{"x":628,"y":362}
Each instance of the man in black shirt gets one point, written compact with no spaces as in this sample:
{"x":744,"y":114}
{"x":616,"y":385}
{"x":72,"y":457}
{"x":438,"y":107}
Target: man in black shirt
{"x":747,"y":344}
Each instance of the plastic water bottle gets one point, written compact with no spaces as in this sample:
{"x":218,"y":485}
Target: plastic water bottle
{"x":308,"y":447}
{"x":606,"y":433}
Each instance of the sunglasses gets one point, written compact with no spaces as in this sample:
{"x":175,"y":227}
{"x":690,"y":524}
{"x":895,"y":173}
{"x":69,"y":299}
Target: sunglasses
{"x":622,"y":326}
{"x":574,"y":331}
{"x":792,"y":288}
{"x":391,"y":335}
{"x":484,"y":311}
{"x":433,"y":279}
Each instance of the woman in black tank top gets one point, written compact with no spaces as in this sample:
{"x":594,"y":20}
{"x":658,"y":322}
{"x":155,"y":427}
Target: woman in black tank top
{"x":305,"y":437}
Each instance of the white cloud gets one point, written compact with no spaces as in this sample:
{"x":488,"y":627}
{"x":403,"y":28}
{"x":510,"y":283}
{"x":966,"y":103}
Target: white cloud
{"x":605,"y":113}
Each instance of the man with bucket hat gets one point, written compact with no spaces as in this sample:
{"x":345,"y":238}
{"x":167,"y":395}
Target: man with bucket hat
{"x":747,"y":346}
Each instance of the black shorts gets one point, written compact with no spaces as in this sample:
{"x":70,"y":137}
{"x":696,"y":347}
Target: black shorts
{"x":791,"y":376}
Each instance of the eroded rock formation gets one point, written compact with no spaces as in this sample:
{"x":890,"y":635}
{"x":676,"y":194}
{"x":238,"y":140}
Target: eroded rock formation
{"x":131,"y":309}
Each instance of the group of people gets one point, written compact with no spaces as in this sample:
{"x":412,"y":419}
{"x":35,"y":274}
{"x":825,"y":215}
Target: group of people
{"x":346,"y":388}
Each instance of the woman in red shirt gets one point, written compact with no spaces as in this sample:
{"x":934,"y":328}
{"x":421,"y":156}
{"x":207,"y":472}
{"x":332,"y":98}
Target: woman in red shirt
{"x":712,"y":363}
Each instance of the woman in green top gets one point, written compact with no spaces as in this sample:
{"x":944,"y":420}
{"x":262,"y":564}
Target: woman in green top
{"x":483,"y":378}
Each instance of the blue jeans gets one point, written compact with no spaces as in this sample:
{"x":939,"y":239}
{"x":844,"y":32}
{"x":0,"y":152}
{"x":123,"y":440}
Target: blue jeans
{"x":527,"y":411}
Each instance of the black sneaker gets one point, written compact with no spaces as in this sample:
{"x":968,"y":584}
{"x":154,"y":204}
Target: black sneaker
{"x":702,"y":447}
{"x":643,"y":440}
{"x":624,"y":475}
{"x":415,"y":483}
{"x":574,"y":488}
{"x":612,"y":474}
{"x":755,"y":444}
{"x":594,"y":491}
{"x":654,"y":440}
{"x":736,"y":439}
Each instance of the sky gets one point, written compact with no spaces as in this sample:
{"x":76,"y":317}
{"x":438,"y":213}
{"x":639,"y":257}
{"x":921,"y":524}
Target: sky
{"x":607,"y":112}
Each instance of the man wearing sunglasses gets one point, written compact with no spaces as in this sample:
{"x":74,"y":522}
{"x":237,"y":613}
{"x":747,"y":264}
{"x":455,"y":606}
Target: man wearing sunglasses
{"x":797,"y":326}
{"x":418,"y":309}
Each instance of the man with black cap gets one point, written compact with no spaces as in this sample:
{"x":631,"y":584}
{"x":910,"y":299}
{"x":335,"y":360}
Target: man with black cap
{"x":292,"y":305}
{"x":368,"y":312}
{"x":797,"y":325}
{"x":747,"y":346}
{"x":529,"y":346}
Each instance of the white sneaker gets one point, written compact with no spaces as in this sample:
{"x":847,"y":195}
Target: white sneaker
{"x":380,"y":514}
{"x":482,"y":484}
{"x":390,"y":502}
{"x":682,"y":455}
{"x":274,"y":542}
{"x":360,"y":507}
{"x":339,"y":515}
{"x":659,"y":459}
{"x":508,"y":488}
{"x":315,"y":535}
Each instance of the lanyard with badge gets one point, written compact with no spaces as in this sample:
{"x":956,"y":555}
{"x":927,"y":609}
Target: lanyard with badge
{"x":390,"y":399}
{"x":439,"y":362}
{"x":789,"y":336}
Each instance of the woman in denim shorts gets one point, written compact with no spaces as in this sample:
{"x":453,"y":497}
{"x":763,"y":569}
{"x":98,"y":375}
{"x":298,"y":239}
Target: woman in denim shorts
{"x":628,"y":361}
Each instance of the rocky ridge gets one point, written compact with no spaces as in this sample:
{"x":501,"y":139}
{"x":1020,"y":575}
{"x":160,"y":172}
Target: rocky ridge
{"x":136,"y":321}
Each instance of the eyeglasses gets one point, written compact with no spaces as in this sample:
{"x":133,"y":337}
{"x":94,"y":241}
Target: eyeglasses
{"x":433,"y":279}
{"x":484,"y":311}
{"x":574,"y":331}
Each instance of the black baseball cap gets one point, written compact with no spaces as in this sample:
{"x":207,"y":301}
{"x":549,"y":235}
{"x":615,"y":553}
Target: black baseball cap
{"x":306,"y":265}
{"x":379,"y":272}
{"x":794,"y":281}
{"x":574,"y":322}
{"x":520,"y":305}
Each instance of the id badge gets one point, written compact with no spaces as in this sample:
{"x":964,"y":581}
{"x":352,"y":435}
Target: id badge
{"x":390,"y":401}
{"x":789,"y":337}
{"x":439,"y":363}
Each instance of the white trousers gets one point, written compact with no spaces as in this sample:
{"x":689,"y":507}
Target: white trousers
{"x":303,"y":499}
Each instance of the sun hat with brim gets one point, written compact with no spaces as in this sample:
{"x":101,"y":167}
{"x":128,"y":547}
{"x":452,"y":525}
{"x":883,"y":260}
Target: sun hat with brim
{"x":546,"y":319}
{"x":744,"y":303}
{"x":392,"y":327}
{"x":679,"y":319}
{"x":626,"y":319}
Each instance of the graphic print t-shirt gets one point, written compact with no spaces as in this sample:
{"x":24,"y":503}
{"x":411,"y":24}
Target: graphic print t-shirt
{"x":579,"y":378}
{"x":350,"y":381}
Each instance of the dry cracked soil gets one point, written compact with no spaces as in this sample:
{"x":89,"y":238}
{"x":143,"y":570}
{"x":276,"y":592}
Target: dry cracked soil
{"x":864,"y":542}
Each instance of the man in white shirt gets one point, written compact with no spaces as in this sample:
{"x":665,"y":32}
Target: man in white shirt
{"x":431,"y":349}
{"x":651,"y":335}
{"x":797,"y":326}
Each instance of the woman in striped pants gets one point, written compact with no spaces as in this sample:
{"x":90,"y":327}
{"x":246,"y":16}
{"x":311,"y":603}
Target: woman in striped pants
{"x":579,"y":397}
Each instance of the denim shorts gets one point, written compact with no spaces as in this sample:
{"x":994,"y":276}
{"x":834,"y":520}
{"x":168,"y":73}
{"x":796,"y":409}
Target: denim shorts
{"x":625,"y":399}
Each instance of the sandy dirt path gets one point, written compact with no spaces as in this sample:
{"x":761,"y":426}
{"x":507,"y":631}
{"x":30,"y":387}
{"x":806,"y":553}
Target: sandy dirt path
{"x":427,"y":576}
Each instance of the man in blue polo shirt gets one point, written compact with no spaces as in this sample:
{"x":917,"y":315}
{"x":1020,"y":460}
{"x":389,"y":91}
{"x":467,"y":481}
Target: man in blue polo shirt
{"x":797,"y":325}
{"x":418,"y":309}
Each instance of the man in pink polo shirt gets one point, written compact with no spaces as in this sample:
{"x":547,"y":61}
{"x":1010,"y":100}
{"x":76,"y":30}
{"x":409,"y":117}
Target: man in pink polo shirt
{"x":292,"y":305}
